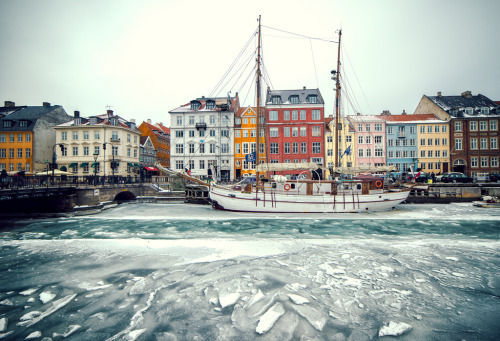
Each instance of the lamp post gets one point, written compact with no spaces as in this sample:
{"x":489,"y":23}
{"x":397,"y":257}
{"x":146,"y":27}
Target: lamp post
{"x":54,"y":157}
{"x":104,"y":158}
{"x":96,"y":154}
{"x":47,"y":172}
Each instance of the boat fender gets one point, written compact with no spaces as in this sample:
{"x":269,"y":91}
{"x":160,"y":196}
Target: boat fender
{"x":286,"y":187}
{"x":378,"y":184}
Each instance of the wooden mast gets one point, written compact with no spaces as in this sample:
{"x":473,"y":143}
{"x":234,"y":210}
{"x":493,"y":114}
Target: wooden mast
{"x":257,"y":148}
{"x":337,"y":95}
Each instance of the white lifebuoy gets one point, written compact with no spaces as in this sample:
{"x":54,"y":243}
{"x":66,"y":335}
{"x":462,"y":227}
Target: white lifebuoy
{"x":286,"y":187}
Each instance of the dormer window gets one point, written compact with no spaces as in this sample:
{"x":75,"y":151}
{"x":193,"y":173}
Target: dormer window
{"x":276,"y":99}
{"x":453,"y":112}
{"x":78,"y":121}
{"x":210,"y":105}
{"x":23,"y":123}
{"x":485,"y":111}
{"x":195,"y":105}
{"x":93,"y":120}
{"x":469,"y":111}
{"x":312,"y":99}
{"x":114,"y":121}
{"x":294,"y":99}
{"x":7,"y":124}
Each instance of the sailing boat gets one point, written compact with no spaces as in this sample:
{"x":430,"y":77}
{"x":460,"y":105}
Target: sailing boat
{"x":281,"y":195}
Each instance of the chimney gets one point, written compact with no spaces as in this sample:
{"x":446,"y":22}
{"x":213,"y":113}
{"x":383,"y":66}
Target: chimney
{"x":358,"y":114}
{"x":9,"y":104}
{"x":330,"y":116}
{"x":77,"y":114}
{"x":439,"y":93}
{"x":386,"y":113}
{"x":46,"y":104}
{"x":466,"y":94}
{"x":132,"y":120}
{"x":404,"y":112}
{"x":149,"y":121}
{"x":109,"y":112}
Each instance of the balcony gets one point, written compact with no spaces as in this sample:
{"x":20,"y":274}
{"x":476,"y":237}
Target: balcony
{"x":114,"y":139}
{"x":401,"y":134}
{"x":201,"y":126}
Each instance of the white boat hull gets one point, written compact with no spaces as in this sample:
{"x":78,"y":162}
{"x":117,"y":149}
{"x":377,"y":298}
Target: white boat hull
{"x":231,"y":200}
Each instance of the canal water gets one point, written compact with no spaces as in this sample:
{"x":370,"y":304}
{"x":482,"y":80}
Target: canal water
{"x":187,"y":272}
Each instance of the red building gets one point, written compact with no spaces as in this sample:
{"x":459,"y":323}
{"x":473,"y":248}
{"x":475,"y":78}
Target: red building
{"x":295,"y":132}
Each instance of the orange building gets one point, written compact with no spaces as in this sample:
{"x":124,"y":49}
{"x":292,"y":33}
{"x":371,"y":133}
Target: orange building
{"x":160,"y":136}
{"x":245,"y":142}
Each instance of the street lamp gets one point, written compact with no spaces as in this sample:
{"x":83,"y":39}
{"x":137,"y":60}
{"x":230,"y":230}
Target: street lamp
{"x":96,"y":154}
{"x":54,"y":157}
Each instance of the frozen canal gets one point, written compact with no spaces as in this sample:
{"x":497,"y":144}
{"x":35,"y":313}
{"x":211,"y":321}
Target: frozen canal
{"x":187,"y":272}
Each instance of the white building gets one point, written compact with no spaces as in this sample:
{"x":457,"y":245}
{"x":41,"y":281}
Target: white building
{"x":91,"y":145}
{"x":201,"y":135}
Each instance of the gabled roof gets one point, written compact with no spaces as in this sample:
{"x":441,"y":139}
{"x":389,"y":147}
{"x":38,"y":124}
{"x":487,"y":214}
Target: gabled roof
{"x":157,"y":128}
{"x":409,"y":118}
{"x":28,"y":113}
{"x":102,"y":120}
{"x":364,"y":118}
{"x":242,"y":110}
{"x":301,"y":93}
{"x":221,"y":104}
{"x":465,"y":100}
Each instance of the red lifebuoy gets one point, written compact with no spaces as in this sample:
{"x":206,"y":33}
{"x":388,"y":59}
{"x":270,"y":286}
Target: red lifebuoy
{"x":378,"y":184}
{"x":286,"y":187}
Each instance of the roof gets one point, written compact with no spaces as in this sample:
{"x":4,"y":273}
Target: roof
{"x":465,"y":100}
{"x":157,"y":128}
{"x":409,"y":118}
{"x":301,"y":93}
{"x":242,"y":110}
{"x":220,"y":103}
{"x":28,"y":113}
{"x":102,"y":120}
{"x":365,"y":118}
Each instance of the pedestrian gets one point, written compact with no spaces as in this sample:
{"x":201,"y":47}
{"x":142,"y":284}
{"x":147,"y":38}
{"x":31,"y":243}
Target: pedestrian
{"x":3,"y":177}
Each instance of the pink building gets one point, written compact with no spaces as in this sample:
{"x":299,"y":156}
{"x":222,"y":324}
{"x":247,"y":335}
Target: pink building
{"x":370,"y":140}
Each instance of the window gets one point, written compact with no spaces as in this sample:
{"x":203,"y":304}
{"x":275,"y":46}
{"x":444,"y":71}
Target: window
{"x":225,"y":148}
{"x":303,"y":147}
{"x":302,"y":115}
{"x":422,"y":153}
{"x":438,"y":153}
{"x":379,"y":152}
{"x":276,"y":99}
{"x":27,"y":152}
{"x":7,"y":124}
{"x":295,"y":147}
{"x":75,"y":135}
{"x":97,"y":135}
{"x":360,"y":153}
{"x":191,"y":148}
{"x":413,"y":130}
{"x":237,"y":133}
{"x":413,"y":142}
{"x":360,"y":139}
{"x":224,"y":133}
{"x":286,"y":131}
{"x":212,"y":148}
{"x":368,"y":139}
{"x":316,"y":147}
{"x":179,"y":121}
{"x":202,"y":148}
{"x":179,"y":133}
{"x":245,"y":133}
{"x":429,"y":142}
{"x":179,"y":148}
{"x":368,"y":152}
{"x":368,"y":127}
{"x":245,"y":148}
{"x":422,"y":129}
{"x":179,"y":164}
{"x":473,"y":143}
{"x":360,"y":127}
{"x":19,"y":137}
{"x":273,"y":132}
{"x":429,"y":153}
{"x":436,"y":142}
{"x":295,"y":115}
{"x":86,"y":135}
{"x":316,"y":131}
{"x":96,"y":150}
{"x":398,"y":154}
{"x":484,"y":161}
{"x":493,"y":143}
{"x":114,"y":135}
{"x":312,"y":99}
{"x":494,"y":161}
{"x":274,"y":148}
{"x":23,"y":123}
{"x":19,"y":153}
{"x":493,"y":125}
{"x":294,"y":99}
{"x":273,"y":115}
{"x":378,"y":126}
{"x":390,"y":154}
{"x":287,"y":147}
{"x":348,"y":139}
{"x":458,"y":144}
{"x":473,"y":125}
{"x":316,"y":114}
{"x":3,"y":153}
{"x":3,"y":138}
{"x":483,"y":126}
{"x":286,"y":115}
{"x":429,"y":129}
{"x":484,"y":143}
{"x":191,"y":133}
{"x":458,"y":126}
{"x":295,"y":131}
{"x":75,"y":151}
{"x":445,"y":153}
{"x":86,"y":151}
{"x":237,"y":148}
{"x":262,"y":148}
{"x":436,"y":129}
{"x":212,"y":133}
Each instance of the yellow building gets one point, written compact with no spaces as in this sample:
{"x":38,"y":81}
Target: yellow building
{"x":433,"y":146}
{"x":346,"y":147}
{"x":245,"y":142}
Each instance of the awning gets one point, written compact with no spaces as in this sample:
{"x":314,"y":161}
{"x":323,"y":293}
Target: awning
{"x":73,"y":165}
{"x":137,"y":165}
{"x":151,"y":169}
{"x":94,"y":164}
{"x":84,"y":164}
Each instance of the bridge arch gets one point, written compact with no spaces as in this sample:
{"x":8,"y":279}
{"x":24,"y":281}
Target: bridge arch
{"x":125,"y":196}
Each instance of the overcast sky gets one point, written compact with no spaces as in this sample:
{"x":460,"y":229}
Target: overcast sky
{"x":146,"y":57}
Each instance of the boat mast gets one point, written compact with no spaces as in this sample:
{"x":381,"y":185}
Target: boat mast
{"x":337,"y":95}
{"x":257,"y":148}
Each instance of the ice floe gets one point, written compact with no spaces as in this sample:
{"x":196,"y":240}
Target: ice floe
{"x":266,"y":321}
{"x":394,"y":329}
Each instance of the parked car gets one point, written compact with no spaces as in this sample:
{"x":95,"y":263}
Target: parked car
{"x":423,"y":177}
{"x":440,"y":176}
{"x":456,"y":177}
{"x":495,"y":177}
